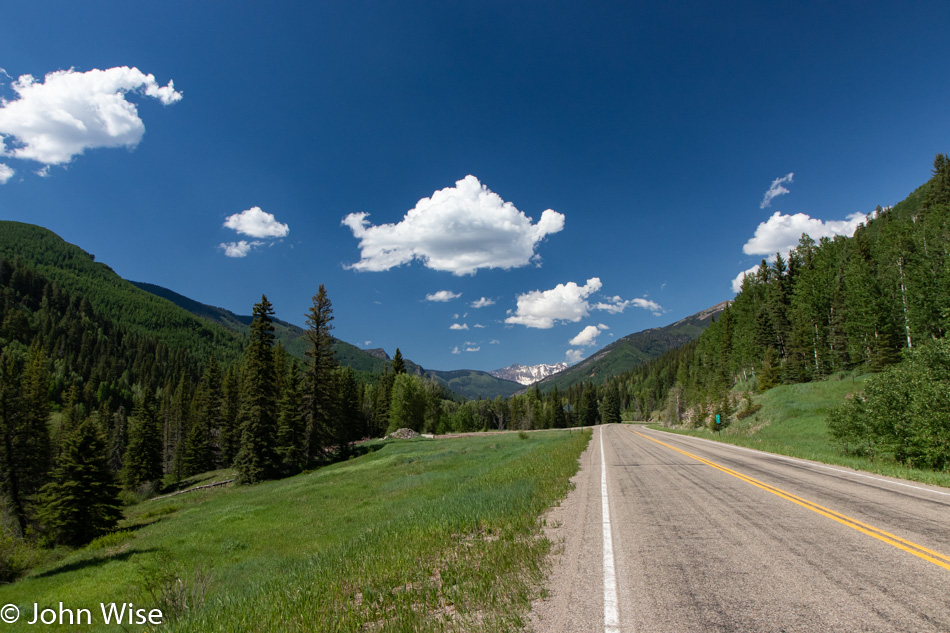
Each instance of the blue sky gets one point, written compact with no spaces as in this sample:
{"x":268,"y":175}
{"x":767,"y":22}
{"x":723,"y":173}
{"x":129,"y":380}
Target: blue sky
{"x":651,"y":131}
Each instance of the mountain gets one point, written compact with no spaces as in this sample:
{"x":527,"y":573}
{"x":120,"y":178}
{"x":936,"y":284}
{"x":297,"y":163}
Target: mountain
{"x":632,"y":350}
{"x":528,"y":374}
{"x":467,"y":383}
{"x":139,"y":312}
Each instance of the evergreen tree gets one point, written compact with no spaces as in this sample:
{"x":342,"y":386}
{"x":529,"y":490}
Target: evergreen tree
{"x":25,"y":449}
{"x":589,"y":413}
{"x":319,"y":400}
{"x":257,"y":459}
{"x":230,"y":434}
{"x":347,"y":424}
{"x":399,"y":365}
{"x":142,"y":463}
{"x":292,"y":424}
{"x":611,"y":413}
{"x":558,"y":417}
{"x":207,"y":419}
{"x":81,"y":502}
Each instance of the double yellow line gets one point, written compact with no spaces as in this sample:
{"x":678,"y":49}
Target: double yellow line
{"x":919,"y":551}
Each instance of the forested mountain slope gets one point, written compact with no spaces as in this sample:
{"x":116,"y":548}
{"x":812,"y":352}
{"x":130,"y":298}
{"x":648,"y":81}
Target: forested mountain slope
{"x":634,"y":349}
{"x":879,"y":299}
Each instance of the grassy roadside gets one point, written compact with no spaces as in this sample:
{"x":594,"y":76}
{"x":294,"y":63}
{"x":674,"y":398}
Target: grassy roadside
{"x":420,"y":535}
{"x":793,"y":421}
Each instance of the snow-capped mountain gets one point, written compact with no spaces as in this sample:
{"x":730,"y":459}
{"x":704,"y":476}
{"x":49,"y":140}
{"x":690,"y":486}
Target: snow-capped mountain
{"x":527,"y":374}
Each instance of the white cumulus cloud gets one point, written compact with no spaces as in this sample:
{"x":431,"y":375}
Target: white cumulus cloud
{"x":6,"y":173}
{"x":616,"y":305}
{"x":574,"y":356}
{"x":255,"y":222}
{"x":781,"y":233}
{"x":443,"y":296}
{"x":588,"y":336}
{"x":777,"y":189}
{"x":69,"y":112}
{"x":565,"y":302}
{"x":568,"y":303}
{"x":458,"y":229}
{"x":239,"y":249}
{"x":483,"y":302}
{"x":459,"y":326}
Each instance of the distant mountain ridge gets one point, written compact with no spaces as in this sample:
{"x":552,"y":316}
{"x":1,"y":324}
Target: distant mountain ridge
{"x":468,"y":383}
{"x":528,"y":374}
{"x":632,"y":350}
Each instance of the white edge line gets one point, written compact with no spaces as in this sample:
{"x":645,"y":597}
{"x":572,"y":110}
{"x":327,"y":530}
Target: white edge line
{"x":611,"y":617}
{"x":811,"y":463}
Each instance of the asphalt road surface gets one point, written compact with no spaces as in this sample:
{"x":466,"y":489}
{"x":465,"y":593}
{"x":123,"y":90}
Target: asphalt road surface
{"x":703,"y":536}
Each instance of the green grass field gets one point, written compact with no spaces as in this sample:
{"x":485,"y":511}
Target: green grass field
{"x":419,"y":535}
{"x":793,"y":421}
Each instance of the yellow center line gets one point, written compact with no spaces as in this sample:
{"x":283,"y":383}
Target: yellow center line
{"x":920,"y":551}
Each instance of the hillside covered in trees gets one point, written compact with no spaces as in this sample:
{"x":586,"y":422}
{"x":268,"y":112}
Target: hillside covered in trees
{"x":878,"y":300}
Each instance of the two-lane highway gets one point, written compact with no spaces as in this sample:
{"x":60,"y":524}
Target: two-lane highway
{"x":710,"y":537}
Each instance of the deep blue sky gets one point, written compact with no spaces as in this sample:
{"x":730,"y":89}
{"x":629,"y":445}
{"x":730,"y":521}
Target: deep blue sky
{"x":654,"y":129}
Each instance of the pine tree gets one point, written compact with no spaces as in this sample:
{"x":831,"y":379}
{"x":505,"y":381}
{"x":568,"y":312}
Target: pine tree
{"x":558,"y":417}
{"x":611,"y":413}
{"x":81,"y":502}
{"x":257,"y":459}
{"x":208,"y":406}
{"x":25,"y":448}
{"x":589,"y":413}
{"x":142,"y":463}
{"x":319,"y":400}
{"x":349,"y":425}
{"x":292,"y":424}
{"x":399,"y":365}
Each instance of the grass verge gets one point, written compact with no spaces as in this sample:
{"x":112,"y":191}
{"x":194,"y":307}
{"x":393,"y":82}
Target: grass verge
{"x":421,"y":535}
{"x":793,"y":421}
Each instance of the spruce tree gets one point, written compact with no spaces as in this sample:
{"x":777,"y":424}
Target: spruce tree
{"x":321,"y":363}
{"x":257,"y":459}
{"x":81,"y":502}
{"x":611,"y":407}
{"x":208,"y":409}
{"x":399,"y":365}
{"x":291,"y":423}
{"x":142,"y":463}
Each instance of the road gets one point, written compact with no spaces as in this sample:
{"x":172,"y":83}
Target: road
{"x":704,"y":536}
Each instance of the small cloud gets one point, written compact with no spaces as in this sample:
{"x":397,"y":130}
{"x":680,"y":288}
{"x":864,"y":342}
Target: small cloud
{"x":479,"y":326}
{"x":472,"y":349}
{"x":494,"y":341}
{"x":616,"y":305}
{"x":458,"y":326}
{"x":484,"y":302}
{"x":239,"y":249}
{"x":42,"y":172}
{"x":256,"y":223}
{"x":6,"y":173}
{"x":367,"y":343}
{"x":458,"y":229}
{"x":737,"y":282}
{"x":456,"y":350}
{"x":443,"y":296}
{"x":588,"y":336}
{"x":574,"y":356}
{"x":777,"y":189}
